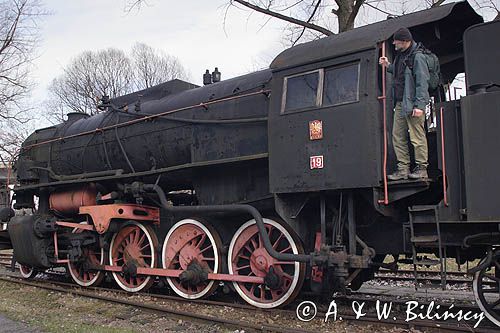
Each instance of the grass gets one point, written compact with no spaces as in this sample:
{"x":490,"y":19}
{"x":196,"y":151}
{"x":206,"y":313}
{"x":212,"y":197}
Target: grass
{"x":55,"y":312}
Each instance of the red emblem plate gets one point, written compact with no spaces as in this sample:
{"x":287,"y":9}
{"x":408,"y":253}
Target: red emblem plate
{"x":315,"y":129}
{"x":316,"y":162}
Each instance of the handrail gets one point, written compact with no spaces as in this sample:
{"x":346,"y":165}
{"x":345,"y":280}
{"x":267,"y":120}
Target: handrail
{"x":146,"y":118}
{"x":385,"y":200}
{"x":443,"y":159}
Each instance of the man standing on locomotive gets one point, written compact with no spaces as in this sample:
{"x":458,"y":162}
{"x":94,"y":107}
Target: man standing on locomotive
{"x":410,"y":95}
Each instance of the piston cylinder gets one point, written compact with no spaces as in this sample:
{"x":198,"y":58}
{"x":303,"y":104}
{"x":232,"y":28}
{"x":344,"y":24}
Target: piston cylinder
{"x":68,"y":202}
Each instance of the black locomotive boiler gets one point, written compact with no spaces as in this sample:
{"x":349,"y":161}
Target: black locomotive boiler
{"x":273,"y":182}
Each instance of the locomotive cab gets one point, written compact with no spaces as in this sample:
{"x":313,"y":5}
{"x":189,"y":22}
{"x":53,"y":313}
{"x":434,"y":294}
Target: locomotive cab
{"x":326,"y":108}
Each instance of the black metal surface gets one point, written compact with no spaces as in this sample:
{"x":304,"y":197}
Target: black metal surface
{"x":238,"y":182}
{"x":232,"y":128}
{"x":480,"y":119}
{"x":482,"y":67}
{"x":6,"y":213}
{"x":154,"y":93}
{"x":5,"y":243}
{"x":29,"y":249}
{"x":452,"y":125}
{"x":351,"y":144}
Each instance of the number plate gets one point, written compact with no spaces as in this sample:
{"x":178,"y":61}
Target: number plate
{"x":316,"y":162}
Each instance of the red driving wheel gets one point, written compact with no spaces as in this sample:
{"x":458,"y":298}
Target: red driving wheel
{"x":133,"y":246}
{"x":247,"y":256}
{"x":192,"y":242}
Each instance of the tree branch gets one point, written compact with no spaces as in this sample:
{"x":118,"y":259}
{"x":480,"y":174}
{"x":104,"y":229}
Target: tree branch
{"x":380,"y":10}
{"x":437,"y":3}
{"x":308,"y":20}
{"x":285,"y":18}
{"x":355,"y":11}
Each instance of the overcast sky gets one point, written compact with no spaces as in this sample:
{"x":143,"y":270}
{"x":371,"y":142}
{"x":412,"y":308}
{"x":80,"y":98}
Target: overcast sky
{"x":191,"y":30}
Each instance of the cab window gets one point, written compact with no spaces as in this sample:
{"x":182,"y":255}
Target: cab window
{"x":341,"y":85}
{"x":302,"y":91}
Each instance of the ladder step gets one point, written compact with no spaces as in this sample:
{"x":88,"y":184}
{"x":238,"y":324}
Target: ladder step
{"x":422,"y":208}
{"x":425,"y":239}
{"x":428,"y":262}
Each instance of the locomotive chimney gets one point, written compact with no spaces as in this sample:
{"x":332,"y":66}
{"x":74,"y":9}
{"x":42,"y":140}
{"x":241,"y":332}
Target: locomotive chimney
{"x":207,"y":78}
{"x":216,"y":75}
{"x":74,"y":116}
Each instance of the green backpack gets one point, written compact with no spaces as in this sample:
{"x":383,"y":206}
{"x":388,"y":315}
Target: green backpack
{"x":432,"y":64}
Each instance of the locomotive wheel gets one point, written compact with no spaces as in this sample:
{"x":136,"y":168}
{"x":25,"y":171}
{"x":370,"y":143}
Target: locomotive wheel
{"x":27,"y":272}
{"x":247,"y":256}
{"x":78,"y":270}
{"x":486,"y":287}
{"x":191,"y":242}
{"x":131,"y":247}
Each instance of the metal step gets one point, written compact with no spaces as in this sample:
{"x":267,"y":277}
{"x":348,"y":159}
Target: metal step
{"x":425,"y":239}
{"x":422,"y":208}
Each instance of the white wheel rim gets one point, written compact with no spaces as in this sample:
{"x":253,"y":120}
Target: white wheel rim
{"x":293,"y":285}
{"x":153,"y":257}
{"x":75,"y":275}
{"x":475,"y":289}
{"x":216,"y":256}
{"x":26,"y":274}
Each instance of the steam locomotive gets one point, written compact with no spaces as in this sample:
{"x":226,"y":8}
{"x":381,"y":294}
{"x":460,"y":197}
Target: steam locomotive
{"x":274,"y":182}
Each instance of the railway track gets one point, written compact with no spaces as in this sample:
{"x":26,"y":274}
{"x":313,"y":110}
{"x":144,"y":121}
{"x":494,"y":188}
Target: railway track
{"x":124,"y":298}
{"x":433,"y":278}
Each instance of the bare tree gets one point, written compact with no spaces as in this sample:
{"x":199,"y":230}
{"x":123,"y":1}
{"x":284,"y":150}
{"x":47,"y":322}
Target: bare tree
{"x":87,"y":78}
{"x":18,"y":39}
{"x":152,"y":67}
{"x":11,"y":138}
{"x":488,"y":7}
{"x":309,"y":19}
{"x":19,"y":36}
{"x":111,"y":72}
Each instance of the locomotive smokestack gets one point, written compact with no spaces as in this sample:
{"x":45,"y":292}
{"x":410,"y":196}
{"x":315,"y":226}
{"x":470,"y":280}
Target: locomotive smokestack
{"x":207,"y":78}
{"x":216,"y":75}
{"x":74,"y":116}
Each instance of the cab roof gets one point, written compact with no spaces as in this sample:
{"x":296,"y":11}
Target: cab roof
{"x":431,"y":26}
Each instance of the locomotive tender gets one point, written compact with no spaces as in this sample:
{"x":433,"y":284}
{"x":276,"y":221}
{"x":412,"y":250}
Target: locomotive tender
{"x":273,"y":182}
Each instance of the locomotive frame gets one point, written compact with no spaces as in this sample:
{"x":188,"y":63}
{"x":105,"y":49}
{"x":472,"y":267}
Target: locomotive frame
{"x":277,"y":195}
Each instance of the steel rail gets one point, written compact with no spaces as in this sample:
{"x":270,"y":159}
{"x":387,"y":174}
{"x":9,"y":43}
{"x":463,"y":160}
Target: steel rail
{"x":260,"y":327}
{"x":422,"y":278}
{"x":160,"y":309}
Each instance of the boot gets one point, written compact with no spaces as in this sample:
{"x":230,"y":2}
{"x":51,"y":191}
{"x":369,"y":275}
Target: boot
{"x":420,"y":172}
{"x":399,"y":174}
